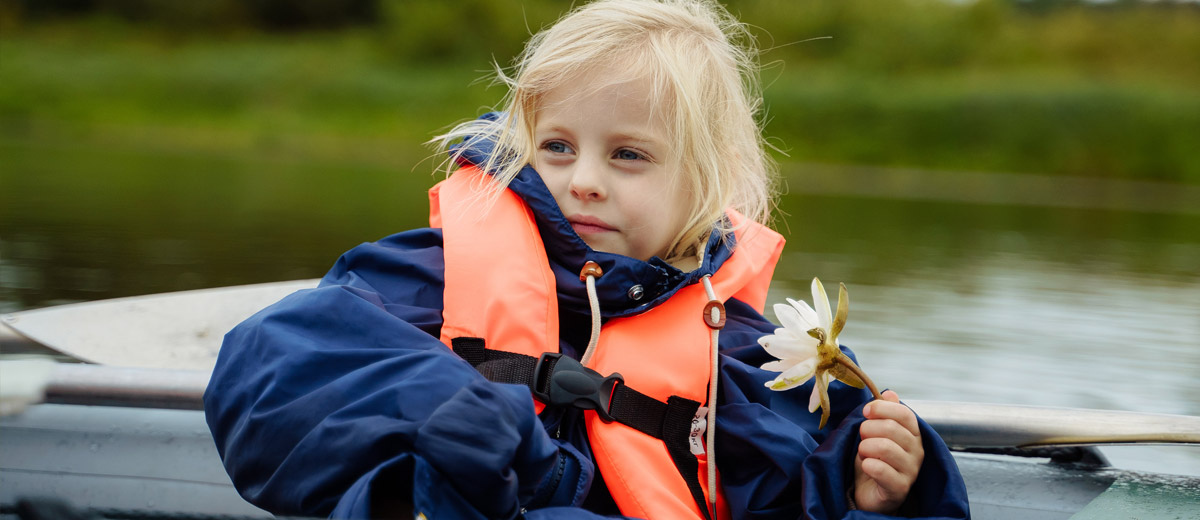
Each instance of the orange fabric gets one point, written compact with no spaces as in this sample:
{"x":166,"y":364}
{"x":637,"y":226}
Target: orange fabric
{"x":509,"y":299}
{"x":520,"y":317}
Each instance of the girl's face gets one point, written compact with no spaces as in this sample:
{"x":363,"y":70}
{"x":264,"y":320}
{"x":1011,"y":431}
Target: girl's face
{"x":604,"y":155}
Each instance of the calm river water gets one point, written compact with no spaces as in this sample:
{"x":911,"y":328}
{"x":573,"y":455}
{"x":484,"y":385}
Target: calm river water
{"x":985,"y":288}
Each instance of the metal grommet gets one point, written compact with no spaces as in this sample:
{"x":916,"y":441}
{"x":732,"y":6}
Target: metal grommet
{"x":714,"y":314}
{"x":636,"y":293}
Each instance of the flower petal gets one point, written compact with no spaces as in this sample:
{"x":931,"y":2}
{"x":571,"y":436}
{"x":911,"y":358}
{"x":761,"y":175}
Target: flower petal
{"x":807,"y":314}
{"x":779,"y":365}
{"x":821,"y":302}
{"x":789,"y":347}
{"x":844,"y":374}
{"x":843,"y":309}
{"x":794,"y":376}
{"x":825,"y":408}
{"x":814,"y":399}
{"x":802,"y":370}
{"x":780,"y":383}
{"x":790,"y":319}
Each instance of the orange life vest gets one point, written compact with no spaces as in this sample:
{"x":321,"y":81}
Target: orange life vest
{"x":499,"y":287}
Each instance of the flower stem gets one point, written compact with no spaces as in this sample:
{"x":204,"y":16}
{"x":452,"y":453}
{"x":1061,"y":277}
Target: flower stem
{"x":848,"y":363}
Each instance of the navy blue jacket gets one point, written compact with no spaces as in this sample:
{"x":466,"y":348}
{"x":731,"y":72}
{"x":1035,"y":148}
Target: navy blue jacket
{"x":339,"y":399}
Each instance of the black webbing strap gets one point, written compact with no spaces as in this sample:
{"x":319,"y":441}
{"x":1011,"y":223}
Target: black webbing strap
{"x":677,"y":427}
{"x":670,"y":422}
{"x":496,"y":365}
{"x":639,"y":411}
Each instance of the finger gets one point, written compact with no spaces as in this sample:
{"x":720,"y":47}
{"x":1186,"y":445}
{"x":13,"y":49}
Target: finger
{"x":890,"y":395}
{"x":894,"y":446}
{"x":894,"y":411}
{"x":892,"y":484}
{"x":903,"y":461}
{"x":890,"y":430}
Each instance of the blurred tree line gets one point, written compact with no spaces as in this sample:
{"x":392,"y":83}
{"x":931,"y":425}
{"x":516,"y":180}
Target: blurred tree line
{"x":893,"y":36}
{"x":1049,"y":86}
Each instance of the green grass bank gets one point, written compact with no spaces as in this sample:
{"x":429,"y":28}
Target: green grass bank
{"x":1066,"y":88}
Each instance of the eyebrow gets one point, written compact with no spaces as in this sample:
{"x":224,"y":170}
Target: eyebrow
{"x":635,"y":136}
{"x":624,"y":136}
{"x":556,"y":129}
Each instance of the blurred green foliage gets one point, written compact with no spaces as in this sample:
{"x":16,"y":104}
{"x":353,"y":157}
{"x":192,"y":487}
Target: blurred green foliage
{"x":1064,"y":87}
{"x":210,"y":15}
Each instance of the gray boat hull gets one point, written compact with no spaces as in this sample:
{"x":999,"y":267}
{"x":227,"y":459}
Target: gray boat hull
{"x":153,"y":462}
{"x":113,"y":458}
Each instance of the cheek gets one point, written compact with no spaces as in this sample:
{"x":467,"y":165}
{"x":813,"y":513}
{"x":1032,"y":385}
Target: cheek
{"x":673,"y":206}
{"x":556,"y":183}
{"x":665,"y":209}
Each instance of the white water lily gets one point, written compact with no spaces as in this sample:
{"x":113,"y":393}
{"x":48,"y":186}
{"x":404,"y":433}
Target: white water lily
{"x":806,"y":347}
{"x":791,"y":344}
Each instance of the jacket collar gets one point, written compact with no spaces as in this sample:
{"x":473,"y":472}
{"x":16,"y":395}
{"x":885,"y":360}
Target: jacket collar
{"x":567,"y":252}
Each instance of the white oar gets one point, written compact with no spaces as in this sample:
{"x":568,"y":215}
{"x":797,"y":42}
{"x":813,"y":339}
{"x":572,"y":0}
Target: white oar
{"x":982,"y":425}
{"x":25,"y":382}
{"x":961,"y":425}
{"x":181,"y":330}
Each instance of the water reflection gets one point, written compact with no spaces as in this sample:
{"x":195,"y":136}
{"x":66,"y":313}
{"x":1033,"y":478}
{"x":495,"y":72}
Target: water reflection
{"x":1030,"y":331}
{"x":1095,"y":308}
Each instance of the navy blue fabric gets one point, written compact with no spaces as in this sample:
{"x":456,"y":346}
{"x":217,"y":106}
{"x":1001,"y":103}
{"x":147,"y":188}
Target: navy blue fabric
{"x":339,"y":399}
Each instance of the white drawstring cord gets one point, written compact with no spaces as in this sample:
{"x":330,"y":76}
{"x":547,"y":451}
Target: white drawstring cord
{"x":591,"y":271}
{"x":714,"y":317}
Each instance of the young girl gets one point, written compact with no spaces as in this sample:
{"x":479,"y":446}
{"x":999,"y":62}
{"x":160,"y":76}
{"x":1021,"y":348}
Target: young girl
{"x":599,"y":249}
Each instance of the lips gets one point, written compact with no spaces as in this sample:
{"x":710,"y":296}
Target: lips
{"x":586,"y":225}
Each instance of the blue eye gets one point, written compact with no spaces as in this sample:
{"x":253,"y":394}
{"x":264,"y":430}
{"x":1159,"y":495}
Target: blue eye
{"x":557,"y":147}
{"x":628,"y":155}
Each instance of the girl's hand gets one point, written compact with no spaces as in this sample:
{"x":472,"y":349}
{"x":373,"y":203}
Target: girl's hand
{"x":889,"y":455}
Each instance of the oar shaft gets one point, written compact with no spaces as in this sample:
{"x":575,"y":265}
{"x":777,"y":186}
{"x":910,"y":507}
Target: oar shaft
{"x":977,"y":425}
{"x":98,"y":385}
{"x":961,"y":425}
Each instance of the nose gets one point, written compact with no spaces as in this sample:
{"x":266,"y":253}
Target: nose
{"x":587,"y":180}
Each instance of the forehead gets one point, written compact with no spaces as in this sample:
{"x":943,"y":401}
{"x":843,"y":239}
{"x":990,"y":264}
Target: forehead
{"x":605,"y":95}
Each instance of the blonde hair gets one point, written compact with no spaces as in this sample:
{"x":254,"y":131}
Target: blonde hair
{"x":704,"y":68}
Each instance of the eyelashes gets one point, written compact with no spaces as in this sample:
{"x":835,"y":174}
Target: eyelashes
{"x":623,"y":154}
{"x":558,"y":147}
{"x":626,"y":154}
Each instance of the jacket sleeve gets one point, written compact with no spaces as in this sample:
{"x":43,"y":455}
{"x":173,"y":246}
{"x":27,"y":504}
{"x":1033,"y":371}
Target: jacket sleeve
{"x":343,"y":397}
{"x":776,"y":463}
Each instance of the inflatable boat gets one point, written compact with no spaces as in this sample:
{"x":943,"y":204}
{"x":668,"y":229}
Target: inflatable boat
{"x":101,"y":405}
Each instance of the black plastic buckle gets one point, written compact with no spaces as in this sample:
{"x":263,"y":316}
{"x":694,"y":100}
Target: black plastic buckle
{"x":573,"y":384}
